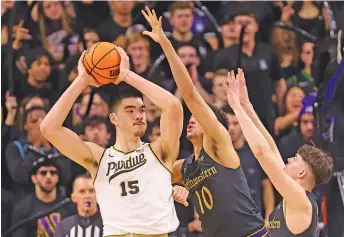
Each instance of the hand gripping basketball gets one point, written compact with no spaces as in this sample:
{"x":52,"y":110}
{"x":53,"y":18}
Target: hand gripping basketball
{"x":124,"y":65}
{"x":102,"y":62}
{"x":84,"y":74}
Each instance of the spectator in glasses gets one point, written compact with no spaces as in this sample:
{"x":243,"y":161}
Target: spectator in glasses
{"x":45,"y":177}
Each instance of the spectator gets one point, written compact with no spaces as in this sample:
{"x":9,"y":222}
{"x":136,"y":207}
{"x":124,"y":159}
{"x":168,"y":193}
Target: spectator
{"x":138,"y":49}
{"x":284,"y":43}
{"x":181,"y":19}
{"x":302,"y":134}
{"x":99,"y":107}
{"x":90,"y":37}
{"x":154,"y":131}
{"x":291,"y":110}
{"x":119,"y":22}
{"x":260,"y":186}
{"x":261,"y":68}
{"x":229,"y":33}
{"x":308,"y":15}
{"x":96,"y":130}
{"x":45,"y":176}
{"x":21,"y":153}
{"x":304,"y":79}
{"x":36,"y":82}
{"x":87,"y":222}
{"x":6,"y":135}
{"x":55,"y":30}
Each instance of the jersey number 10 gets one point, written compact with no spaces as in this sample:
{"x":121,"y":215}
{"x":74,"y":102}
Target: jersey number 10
{"x":206,"y":197}
{"x":130,"y":186}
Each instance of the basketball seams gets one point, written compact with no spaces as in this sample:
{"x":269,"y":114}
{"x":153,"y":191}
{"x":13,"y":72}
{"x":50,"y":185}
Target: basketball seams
{"x":95,"y":65}
{"x":107,"y":67}
{"x":109,"y":78}
{"x":93,"y":53}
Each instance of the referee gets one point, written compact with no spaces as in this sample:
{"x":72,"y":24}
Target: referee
{"x":87,"y":222}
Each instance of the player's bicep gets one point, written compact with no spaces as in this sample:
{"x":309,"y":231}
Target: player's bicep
{"x":71,"y":145}
{"x":289,"y":189}
{"x":177,"y":171}
{"x":206,"y":117}
{"x":171,"y":126}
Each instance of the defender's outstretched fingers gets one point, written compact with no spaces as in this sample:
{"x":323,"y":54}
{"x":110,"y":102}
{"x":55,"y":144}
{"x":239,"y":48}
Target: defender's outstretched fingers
{"x":146,"y":17}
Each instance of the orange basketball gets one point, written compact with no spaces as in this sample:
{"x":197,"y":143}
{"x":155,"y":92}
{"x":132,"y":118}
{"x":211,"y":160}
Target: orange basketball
{"x":102,"y":62}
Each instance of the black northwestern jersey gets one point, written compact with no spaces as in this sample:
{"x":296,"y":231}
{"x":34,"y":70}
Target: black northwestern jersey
{"x":221,"y":197}
{"x":278,"y":226}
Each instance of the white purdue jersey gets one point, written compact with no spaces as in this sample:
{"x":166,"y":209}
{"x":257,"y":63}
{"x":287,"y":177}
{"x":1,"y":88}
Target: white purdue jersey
{"x":134,"y":193}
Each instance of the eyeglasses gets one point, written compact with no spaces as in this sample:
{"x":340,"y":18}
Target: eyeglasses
{"x":45,"y":172}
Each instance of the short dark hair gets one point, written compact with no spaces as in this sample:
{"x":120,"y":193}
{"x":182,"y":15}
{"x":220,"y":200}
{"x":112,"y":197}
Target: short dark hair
{"x":94,"y":121}
{"x":43,"y":162}
{"x":243,"y":12}
{"x":86,"y":175}
{"x":320,"y":162}
{"x":179,"y":5}
{"x":227,"y":109}
{"x":33,"y":108}
{"x":124,"y":93}
{"x":220,"y":115}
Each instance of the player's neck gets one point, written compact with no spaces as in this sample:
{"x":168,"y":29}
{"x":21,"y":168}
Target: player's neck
{"x":239,"y":143}
{"x":45,"y":196}
{"x":182,"y":37}
{"x":127,"y":144}
{"x":197,"y":146}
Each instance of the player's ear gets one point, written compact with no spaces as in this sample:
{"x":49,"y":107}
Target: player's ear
{"x":302,"y":173}
{"x":113,"y":118}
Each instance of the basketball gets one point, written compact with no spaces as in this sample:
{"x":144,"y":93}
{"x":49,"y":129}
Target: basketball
{"x":102,"y":62}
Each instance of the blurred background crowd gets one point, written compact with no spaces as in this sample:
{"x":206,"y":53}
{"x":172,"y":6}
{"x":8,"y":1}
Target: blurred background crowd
{"x":291,"y":53}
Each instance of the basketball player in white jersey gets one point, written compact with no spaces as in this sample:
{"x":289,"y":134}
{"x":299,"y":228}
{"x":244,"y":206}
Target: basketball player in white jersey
{"x":132,"y":179}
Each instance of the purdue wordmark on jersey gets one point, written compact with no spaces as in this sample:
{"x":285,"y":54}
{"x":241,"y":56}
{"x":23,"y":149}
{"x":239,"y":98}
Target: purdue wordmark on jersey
{"x":134,"y":193}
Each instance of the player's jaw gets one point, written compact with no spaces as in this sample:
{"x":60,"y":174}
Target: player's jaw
{"x":139,"y":128}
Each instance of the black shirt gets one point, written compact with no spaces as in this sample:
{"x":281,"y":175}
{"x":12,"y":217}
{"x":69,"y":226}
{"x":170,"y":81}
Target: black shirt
{"x":221,"y":197}
{"x":261,"y":70}
{"x":278,"y":226}
{"x":110,"y":30}
{"x":44,"y":226}
{"x":80,"y":226}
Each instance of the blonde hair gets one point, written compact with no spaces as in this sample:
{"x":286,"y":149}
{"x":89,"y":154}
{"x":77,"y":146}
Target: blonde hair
{"x":277,"y":43}
{"x":65,"y":20}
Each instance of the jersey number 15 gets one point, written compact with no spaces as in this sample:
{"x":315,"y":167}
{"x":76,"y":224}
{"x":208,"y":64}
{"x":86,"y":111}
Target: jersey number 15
{"x":129,"y":186}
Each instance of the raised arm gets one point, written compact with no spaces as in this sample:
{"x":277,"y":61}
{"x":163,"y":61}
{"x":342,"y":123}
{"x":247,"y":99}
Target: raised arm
{"x":66,"y":141}
{"x":248,"y":107}
{"x":291,"y":191}
{"x":171,"y":121}
{"x":198,"y":107}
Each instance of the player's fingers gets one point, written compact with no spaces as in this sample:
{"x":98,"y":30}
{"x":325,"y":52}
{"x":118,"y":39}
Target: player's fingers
{"x":147,"y":33}
{"x":81,"y":57}
{"x":146,"y":17}
{"x":155,"y":18}
{"x":186,"y":204}
{"x":160,"y":22}
{"x":149,"y":12}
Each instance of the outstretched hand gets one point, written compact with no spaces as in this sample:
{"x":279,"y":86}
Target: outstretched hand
{"x":243,"y":93}
{"x":231,"y":86}
{"x":157,"y":33}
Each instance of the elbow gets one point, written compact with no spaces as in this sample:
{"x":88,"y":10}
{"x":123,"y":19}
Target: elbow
{"x":175,"y":106}
{"x":46,"y":128}
{"x":260,"y":151}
